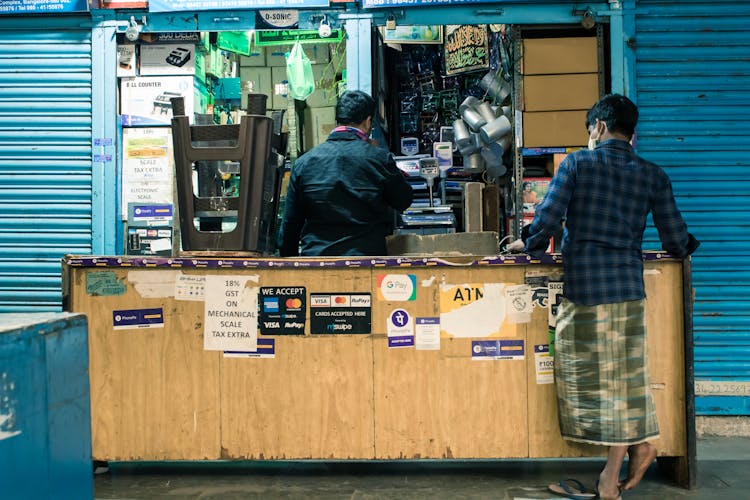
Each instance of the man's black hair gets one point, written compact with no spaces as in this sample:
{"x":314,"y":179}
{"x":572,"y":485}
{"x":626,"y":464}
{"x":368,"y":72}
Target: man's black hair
{"x":354,"y":107}
{"x":617,"y":111}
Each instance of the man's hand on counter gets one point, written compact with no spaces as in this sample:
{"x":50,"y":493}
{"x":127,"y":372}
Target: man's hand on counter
{"x":516,"y":246}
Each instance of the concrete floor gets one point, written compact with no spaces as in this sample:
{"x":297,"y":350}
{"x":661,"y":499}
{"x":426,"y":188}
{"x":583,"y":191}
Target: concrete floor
{"x":723,"y":464}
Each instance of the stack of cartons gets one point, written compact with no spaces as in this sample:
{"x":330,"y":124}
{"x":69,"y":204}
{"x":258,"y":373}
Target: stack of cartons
{"x":264,"y":72}
{"x":560,"y":83}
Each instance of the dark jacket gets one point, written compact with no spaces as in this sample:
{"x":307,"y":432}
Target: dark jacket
{"x":341,"y":199}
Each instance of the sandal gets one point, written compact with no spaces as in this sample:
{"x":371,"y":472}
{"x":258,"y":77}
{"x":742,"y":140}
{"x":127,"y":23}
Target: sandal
{"x":571,"y":488}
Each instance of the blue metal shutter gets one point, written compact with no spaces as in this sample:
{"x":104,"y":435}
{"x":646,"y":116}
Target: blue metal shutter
{"x":45,"y":157}
{"x":693,"y":91}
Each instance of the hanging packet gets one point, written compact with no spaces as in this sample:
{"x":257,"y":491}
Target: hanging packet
{"x":299,"y":73}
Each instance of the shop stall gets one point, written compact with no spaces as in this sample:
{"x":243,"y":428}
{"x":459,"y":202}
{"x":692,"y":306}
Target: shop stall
{"x":196,"y":358}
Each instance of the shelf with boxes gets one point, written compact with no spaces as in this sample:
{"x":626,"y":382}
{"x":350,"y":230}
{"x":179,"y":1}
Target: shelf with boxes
{"x":213,"y":72}
{"x":558,"y":76}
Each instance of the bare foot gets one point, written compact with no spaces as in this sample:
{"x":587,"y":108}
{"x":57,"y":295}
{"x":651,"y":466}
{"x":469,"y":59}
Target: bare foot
{"x":639,"y":460}
{"x":607,"y":488}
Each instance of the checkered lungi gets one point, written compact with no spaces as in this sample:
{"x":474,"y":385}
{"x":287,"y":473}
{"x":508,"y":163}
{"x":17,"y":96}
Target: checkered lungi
{"x":601,"y":374}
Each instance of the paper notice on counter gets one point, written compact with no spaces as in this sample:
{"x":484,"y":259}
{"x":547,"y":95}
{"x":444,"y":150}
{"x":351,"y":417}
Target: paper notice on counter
{"x":519,"y":303}
{"x":428,"y":334}
{"x":231,"y":314}
{"x":190,"y":287}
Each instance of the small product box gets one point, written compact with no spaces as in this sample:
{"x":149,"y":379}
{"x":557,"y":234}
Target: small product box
{"x":167,"y":59}
{"x":126,"y":60}
{"x":257,"y":57}
{"x":534,"y":189}
{"x":280,"y":87}
{"x":319,"y":122}
{"x":146,"y":101}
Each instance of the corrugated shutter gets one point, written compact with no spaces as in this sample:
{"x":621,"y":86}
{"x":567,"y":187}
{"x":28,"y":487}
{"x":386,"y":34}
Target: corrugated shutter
{"x":693,"y":90}
{"x":45,"y":159}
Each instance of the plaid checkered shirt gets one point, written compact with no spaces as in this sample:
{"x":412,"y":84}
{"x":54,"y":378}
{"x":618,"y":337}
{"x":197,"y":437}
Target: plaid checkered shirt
{"x":604,"y":196}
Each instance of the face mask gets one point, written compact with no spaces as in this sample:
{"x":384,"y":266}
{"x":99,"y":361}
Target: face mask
{"x":592,"y":143}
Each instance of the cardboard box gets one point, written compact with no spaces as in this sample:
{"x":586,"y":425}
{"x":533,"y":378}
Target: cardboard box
{"x":549,"y":56}
{"x":257,"y":57}
{"x":167,"y":59}
{"x":325,"y":93}
{"x":200,"y":66}
{"x":318,"y":53}
{"x":279,"y":86}
{"x":145,"y":101}
{"x":319,"y":122}
{"x":560,"y":92}
{"x":276,"y":55}
{"x":261,"y":84}
{"x":534,"y":189}
{"x":126,"y":60}
{"x":554,"y":129}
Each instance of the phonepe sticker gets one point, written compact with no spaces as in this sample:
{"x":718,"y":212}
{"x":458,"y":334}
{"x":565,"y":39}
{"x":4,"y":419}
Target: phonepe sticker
{"x":400,"y":329}
{"x":337,"y":313}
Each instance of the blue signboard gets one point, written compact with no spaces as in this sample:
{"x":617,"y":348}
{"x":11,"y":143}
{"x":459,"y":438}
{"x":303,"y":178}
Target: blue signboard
{"x":187,"y":5}
{"x":374,"y":4}
{"x":42,"y":6}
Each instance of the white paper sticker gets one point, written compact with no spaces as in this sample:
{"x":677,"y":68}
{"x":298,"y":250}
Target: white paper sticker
{"x":153,"y":283}
{"x":231,"y":314}
{"x":190,"y":287}
{"x":428,"y":334}
{"x":518,"y":301}
{"x":161,"y":244}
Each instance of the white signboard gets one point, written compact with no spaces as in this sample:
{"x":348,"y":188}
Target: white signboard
{"x":231,"y":314}
{"x":147,"y":167}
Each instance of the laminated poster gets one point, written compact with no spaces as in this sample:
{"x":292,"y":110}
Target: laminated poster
{"x":231,"y":314}
{"x":147,"y":167}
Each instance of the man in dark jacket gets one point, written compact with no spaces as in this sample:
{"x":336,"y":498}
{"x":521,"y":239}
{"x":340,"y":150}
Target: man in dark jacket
{"x":342,"y":194}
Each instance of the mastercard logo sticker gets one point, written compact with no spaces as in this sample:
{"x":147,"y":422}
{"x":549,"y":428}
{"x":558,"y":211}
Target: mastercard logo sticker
{"x":294,"y":303}
{"x":340,"y":300}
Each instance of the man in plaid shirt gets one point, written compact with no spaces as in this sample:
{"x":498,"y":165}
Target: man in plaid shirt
{"x":603,"y":196}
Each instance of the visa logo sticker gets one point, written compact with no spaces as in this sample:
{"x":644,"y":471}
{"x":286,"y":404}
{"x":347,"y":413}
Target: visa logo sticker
{"x":320,"y":301}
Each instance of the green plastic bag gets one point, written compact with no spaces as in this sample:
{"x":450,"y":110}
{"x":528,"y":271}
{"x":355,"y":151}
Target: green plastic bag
{"x":299,"y":73}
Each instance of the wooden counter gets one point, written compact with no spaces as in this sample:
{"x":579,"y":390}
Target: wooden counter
{"x":156,"y":394}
